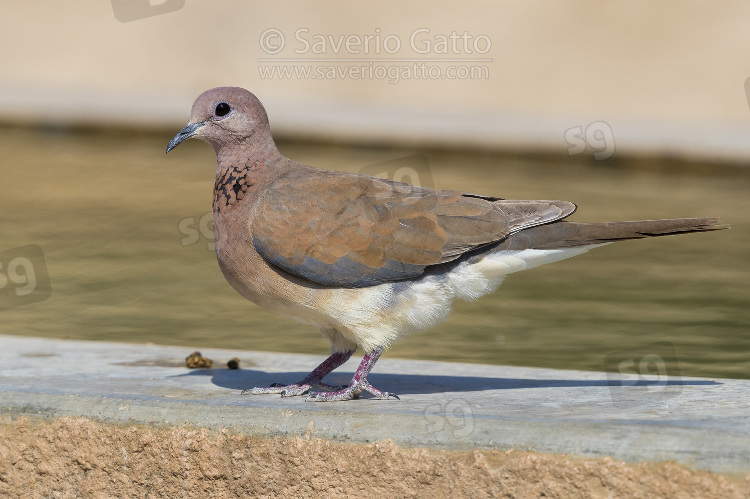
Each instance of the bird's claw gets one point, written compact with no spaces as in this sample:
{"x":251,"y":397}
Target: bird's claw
{"x":350,"y":392}
{"x":287,"y":393}
{"x":301,"y":388}
{"x":284,"y":390}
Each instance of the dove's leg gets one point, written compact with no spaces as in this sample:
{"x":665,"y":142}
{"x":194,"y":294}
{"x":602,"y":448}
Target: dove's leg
{"x":314,"y":379}
{"x":358,"y":383}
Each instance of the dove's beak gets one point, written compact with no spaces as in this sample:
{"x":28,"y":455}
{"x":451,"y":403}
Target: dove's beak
{"x":184,"y":134}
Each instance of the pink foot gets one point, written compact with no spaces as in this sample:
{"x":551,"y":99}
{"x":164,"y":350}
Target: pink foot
{"x":312,"y":380}
{"x":358,"y":384}
{"x":300,"y":388}
{"x":351,"y":392}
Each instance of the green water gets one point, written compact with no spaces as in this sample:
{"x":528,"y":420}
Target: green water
{"x":114,"y":216}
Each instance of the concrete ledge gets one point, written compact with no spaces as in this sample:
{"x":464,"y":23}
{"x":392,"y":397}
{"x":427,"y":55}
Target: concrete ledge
{"x":698,"y":422}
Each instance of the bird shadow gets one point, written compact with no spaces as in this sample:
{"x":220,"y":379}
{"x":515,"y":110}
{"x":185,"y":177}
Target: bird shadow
{"x":240,"y":379}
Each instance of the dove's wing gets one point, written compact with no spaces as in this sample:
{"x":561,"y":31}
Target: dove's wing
{"x":365,"y":231}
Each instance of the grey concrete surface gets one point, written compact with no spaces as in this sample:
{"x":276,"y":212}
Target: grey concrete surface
{"x":703,"y":423}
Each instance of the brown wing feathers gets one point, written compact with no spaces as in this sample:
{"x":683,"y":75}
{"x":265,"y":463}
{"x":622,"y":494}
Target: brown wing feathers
{"x":369,"y":231}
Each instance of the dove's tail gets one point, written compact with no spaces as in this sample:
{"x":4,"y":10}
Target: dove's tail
{"x":563,"y":234}
{"x":427,"y":301}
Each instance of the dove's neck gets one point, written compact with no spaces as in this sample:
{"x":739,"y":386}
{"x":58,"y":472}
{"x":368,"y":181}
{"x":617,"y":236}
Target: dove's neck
{"x":241,"y":177}
{"x":242,"y":173}
{"x":246,"y":151}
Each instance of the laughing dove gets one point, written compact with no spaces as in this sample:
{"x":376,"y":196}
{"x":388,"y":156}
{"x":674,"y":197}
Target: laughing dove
{"x":365,"y":259}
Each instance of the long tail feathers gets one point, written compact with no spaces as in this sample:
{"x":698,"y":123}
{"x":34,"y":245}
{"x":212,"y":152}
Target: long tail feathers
{"x":571,"y":234}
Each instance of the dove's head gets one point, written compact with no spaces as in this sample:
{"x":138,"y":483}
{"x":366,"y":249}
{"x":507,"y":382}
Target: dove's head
{"x":226,"y":117}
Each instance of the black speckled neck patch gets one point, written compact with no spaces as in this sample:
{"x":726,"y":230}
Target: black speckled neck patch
{"x":232,"y":185}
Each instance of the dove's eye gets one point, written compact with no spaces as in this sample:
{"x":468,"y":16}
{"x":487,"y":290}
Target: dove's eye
{"x":222,"y":109}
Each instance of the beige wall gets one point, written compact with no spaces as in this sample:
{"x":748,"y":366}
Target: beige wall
{"x":665,"y":76}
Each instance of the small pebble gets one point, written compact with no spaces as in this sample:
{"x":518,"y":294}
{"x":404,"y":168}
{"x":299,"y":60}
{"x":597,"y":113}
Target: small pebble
{"x":196,"y":361}
{"x":234,"y":363}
